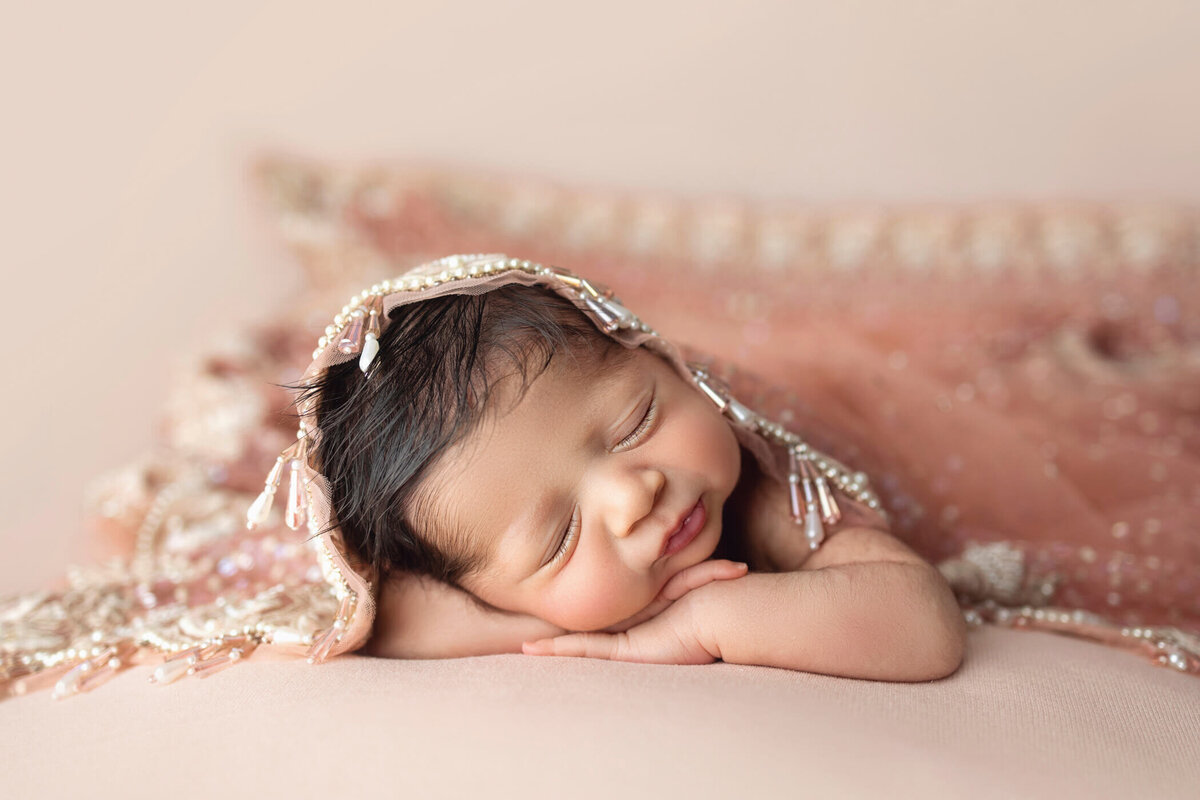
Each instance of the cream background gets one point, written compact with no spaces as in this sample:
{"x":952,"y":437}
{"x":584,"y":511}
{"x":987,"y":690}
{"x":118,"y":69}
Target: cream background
{"x":128,"y":226}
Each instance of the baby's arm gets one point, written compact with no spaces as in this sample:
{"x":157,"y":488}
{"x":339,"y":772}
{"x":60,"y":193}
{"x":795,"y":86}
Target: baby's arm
{"x":420,"y":617}
{"x":862,"y":606}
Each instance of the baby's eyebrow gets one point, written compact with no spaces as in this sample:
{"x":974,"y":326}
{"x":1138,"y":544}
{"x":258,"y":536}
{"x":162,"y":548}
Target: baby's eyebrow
{"x":531,"y":528}
{"x":458,"y":539}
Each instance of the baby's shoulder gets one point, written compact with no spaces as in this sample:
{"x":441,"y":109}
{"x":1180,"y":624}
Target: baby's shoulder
{"x":760,"y":530}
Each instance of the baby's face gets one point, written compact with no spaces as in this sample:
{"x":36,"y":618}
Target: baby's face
{"x":576,"y":490}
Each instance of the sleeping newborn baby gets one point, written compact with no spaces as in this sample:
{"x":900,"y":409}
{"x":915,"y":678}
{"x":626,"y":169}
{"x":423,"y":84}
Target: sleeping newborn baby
{"x":516,"y":480}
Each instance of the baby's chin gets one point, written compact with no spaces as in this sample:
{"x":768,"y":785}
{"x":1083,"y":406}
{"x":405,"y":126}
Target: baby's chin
{"x":599,"y":614}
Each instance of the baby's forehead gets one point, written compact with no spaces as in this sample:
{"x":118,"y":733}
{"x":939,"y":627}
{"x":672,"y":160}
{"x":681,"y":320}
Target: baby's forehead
{"x":455,"y":507}
{"x":567,"y":369}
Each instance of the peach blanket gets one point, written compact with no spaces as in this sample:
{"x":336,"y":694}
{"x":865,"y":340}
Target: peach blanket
{"x":1028,"y":715}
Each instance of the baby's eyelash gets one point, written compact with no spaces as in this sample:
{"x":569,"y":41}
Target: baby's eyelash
{"x":638,"y":434}
{"x":643,"y":426}
{"x":568,"y":535}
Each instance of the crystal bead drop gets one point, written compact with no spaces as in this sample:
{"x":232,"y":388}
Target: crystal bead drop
{"x":261,"y":507}
{"x":297,"y":508}
{"x":369,"y":351}
{"x":352,"y":338}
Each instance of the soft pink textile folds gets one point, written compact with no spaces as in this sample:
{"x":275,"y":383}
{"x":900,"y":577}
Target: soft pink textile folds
{"x":1021,"y":383}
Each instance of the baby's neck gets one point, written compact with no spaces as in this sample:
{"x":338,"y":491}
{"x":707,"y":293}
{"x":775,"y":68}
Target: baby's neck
{"x":736,"y":512}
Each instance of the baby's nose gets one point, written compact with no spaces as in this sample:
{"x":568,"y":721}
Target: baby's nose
{"x":634,"y":499}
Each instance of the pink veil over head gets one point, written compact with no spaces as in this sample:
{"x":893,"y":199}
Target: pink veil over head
{"x":198,"y":594}
{"x":1020,"y":379}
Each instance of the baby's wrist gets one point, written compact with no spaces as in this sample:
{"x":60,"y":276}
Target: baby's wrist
{"x":709,"y":609}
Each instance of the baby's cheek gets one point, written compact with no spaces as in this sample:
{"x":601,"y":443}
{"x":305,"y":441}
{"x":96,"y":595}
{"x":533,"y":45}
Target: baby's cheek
{"x":599,"y":605}
{"x":711,"y":445}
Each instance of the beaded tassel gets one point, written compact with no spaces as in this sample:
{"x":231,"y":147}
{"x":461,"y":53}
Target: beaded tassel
{"x":361,"y":334}
{"x":810,"y":496}
{"x":261,"y":507}
{"x":325,"y":642}
{"x":813,"y":530}
{"x":93,"y":671}
{"x":225,"y":658}
{"x":352,"y":337}
{"x":728,"y":405}
{"x":170,"y":671}
{"x":829,"y":507}
{"x":712,"y":394}
{"x":739,"y":412}
{"x":817,"y":504}
{"x":797,"y":504}
{"x":297,"y":507}
{"x":609,"y":319}
{"x":204,"y":660}
{"x":371,"y":342}
{"x":612,"y":314}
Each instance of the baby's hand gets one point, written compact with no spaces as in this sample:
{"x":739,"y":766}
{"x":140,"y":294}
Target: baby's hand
{"x":656,"y":634}
{"x":680,"y":584}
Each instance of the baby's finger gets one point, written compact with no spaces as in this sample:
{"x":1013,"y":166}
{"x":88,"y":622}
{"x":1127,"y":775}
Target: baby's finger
{"x":584,"y":645}
{"x":702,"y":573}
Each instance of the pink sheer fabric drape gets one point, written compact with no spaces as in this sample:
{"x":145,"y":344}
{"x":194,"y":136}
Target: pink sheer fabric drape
{"x":1036,"y":438}
{"x":1032,"y":434}
{"x":1058,"y":417}
{"x":1026,"y":405}
{"x":1021,"y":384}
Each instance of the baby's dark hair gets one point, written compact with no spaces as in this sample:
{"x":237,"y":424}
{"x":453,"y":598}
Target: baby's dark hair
{"x":430,"y":387}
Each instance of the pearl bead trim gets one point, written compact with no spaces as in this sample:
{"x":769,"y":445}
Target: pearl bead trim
{"x":810,"y":470}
